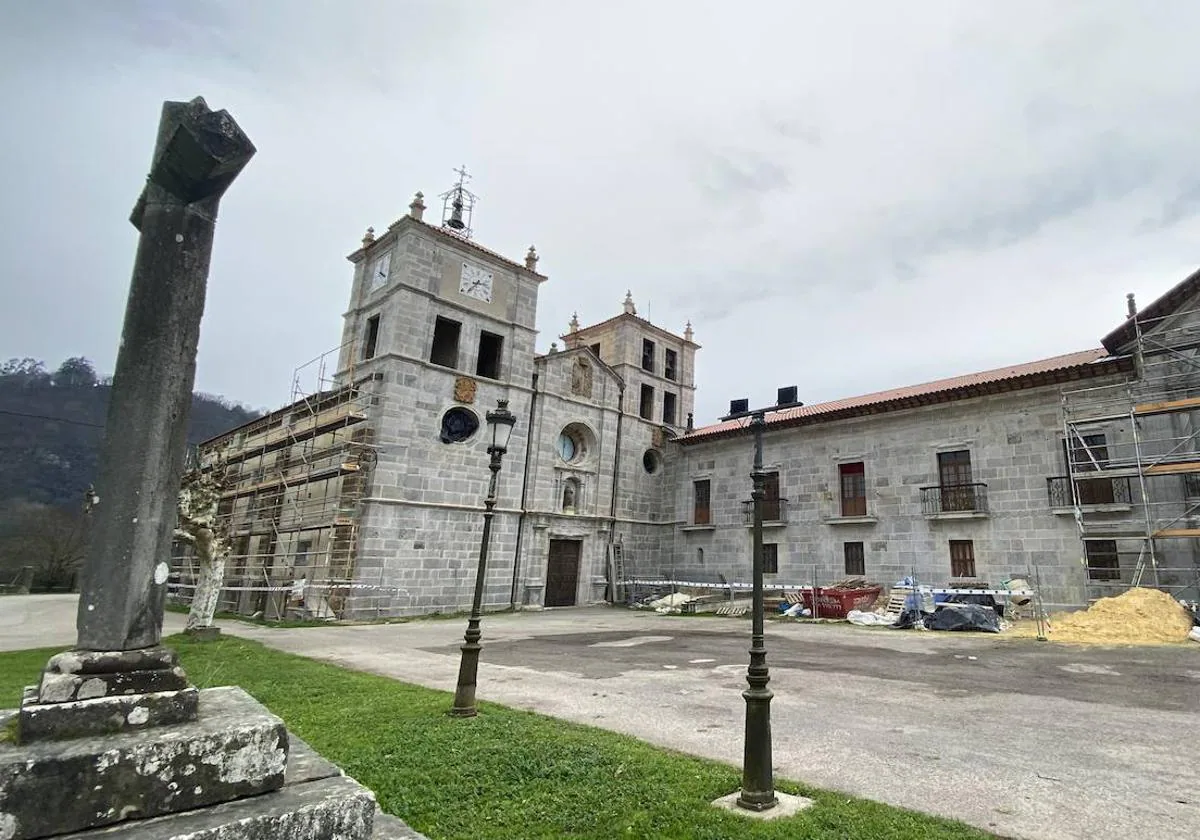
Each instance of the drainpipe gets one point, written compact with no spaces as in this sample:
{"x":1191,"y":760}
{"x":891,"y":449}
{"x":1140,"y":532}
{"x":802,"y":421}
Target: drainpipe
{"x":612,"y":511}
{"x":524,"y":493}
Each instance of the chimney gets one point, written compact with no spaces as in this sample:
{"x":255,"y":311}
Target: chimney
{"x":739,"y":406}
{"x":786,"y":396}
{"x":1130,"y":304}
{"x":417,"y":208}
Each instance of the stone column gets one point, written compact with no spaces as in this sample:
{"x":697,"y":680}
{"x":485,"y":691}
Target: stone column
{"x":198,"y":154}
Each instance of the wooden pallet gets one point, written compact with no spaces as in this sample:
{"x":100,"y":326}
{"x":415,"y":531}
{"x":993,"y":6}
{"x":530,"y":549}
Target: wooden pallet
{"x":896,"y":599}
{"x":732,"y":611}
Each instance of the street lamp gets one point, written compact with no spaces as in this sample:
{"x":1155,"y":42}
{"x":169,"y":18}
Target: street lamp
{"x":758,"y":776}
{"x":758,"y":779}
{"x":500,"y":423}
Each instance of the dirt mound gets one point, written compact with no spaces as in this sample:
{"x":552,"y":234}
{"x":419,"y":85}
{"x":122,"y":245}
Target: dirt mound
{"x":1138,"y":616}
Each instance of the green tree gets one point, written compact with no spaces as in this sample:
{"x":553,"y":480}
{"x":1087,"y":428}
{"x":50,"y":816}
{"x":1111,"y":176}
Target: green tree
{"x":75,"y":372}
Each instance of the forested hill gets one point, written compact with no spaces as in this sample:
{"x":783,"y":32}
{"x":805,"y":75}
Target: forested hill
{"x":52,"y":424}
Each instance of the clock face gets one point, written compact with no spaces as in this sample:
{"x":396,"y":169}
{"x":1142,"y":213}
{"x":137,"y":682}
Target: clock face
{"x":476,"y":282}
{"x":379,"y":273}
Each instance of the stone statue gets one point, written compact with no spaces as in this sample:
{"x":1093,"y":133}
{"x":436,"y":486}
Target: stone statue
{"x":581,"y":378}
{"x":569,"y":494}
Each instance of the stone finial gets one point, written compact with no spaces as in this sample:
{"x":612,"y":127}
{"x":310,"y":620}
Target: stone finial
{"x":417,"y":208}
{"x":688,"y":335}
{"x":574,"y":325}
{"x":531,"y":258}
{"x":553,"y":346}
{"x":628,"y":306}
{"x":691,"y":422}
{"x":368,"y":237}
{"x":1130,"y":305}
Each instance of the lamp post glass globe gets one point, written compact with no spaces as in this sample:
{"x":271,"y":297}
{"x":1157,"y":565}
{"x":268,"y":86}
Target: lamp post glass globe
{"x":501,"y":422}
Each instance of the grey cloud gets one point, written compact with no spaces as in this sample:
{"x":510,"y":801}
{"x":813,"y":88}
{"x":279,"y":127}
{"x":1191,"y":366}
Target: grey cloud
{"x":765,"y":178}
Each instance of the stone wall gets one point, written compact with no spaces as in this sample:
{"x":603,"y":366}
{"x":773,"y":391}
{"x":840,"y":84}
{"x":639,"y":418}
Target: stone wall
{"x":1015,"y":445}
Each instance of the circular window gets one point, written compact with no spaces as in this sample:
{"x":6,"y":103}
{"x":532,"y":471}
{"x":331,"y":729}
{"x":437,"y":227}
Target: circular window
{"x":574,"y":441}
{"x":651,"y":461}
{"x":566,"y":447}
{"x":458,"y":424}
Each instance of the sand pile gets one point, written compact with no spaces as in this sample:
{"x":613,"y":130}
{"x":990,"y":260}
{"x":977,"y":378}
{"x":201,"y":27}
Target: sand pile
{"x":1138,"y":616}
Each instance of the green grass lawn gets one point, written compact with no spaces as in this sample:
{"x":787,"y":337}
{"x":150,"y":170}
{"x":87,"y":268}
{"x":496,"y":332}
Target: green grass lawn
{"x":506,"y":773}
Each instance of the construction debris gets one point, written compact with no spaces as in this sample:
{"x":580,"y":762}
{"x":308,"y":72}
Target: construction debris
{"x":1137,"y":616}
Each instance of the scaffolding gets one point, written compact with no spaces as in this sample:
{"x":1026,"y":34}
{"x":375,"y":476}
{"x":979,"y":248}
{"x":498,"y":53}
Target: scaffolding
{"x":1132,"y":450}
{"x":290,"y":506}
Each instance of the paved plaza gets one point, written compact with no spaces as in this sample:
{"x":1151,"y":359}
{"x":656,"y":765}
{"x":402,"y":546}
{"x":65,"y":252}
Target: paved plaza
{"x":1026,"y":739}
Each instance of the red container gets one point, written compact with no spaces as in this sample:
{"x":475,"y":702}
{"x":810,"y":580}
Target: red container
{"x":835,"y":603}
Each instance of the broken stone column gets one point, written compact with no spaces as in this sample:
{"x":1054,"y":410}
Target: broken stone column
{"x":114,"y":739}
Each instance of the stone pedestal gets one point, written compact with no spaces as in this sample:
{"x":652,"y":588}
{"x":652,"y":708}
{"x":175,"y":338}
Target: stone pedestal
{"x":96,"y":768}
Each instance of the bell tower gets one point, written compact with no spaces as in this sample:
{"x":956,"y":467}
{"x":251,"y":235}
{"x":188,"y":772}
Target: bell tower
{"x":458,"y":206}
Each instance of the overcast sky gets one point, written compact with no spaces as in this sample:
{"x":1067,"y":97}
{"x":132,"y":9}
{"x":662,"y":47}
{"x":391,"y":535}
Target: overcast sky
{"x":842,"y":196}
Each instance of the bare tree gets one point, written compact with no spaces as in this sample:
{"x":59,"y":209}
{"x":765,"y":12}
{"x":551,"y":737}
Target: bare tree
{"x":200,"y":527}
{"x":53,"y":540}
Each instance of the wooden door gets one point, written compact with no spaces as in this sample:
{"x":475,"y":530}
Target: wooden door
{"x":562,"y":572}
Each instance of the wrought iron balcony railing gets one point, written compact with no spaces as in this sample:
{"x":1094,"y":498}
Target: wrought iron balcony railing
{"x":773,"y":510}
{"x":1092,"y":491}
{"x":954,"y":498}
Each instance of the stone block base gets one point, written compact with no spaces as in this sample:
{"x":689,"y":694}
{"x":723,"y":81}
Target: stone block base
{"x":317,"y":802}
{"x":788,"y":806}
{"x":335,"y":808}
{"x":103,"y":715}
{"x":88,"y":674}
{"x":234,"y":748}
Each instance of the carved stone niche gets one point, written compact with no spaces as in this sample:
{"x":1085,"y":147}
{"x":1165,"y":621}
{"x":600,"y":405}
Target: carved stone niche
{"x":581,"y":378}
{"x":464,"y":389}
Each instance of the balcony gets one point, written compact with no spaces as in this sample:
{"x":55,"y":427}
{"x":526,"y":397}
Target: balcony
{"x":955,"y":501}
{"x":774,"y":512}
{"x":1094,"y":493}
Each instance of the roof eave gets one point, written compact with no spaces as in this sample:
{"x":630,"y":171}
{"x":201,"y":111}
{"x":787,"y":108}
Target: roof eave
{"x":1100,"y":367}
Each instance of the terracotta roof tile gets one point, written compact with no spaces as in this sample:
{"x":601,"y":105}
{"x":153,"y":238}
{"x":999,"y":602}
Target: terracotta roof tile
{"x":904,"y":397}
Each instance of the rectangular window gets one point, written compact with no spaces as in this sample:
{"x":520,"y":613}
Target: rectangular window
{"x":668,"y":408}
{"x":648,"y":355}
{"x":853,"y":478}
{"x":772,"y":507}
{"x":445,"y":342}
{"x":371,"y":339}
{"x":962,"y":558}
{"x":646,"y":409}
{"x":856,"y":561}
{"x":671,"y":365}
{"x":1103,"y":563}
{"x":770,"y":559}
{"x":701,"y":512}
{"x":490,"y":349}
{"x":954,"y":477}
{"x":1088,"y":455}
{"x":595,"y":348}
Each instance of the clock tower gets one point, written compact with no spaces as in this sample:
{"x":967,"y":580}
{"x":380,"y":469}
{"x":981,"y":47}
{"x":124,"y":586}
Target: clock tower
{"x":439,"y":329}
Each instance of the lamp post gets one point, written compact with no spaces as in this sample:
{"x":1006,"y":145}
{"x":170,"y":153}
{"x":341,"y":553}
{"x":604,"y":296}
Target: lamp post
{"x":758,"y":780}
{"x":500,"y":422}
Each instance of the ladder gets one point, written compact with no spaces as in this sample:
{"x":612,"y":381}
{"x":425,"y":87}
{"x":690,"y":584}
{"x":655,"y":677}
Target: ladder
{"x":616,"y":560}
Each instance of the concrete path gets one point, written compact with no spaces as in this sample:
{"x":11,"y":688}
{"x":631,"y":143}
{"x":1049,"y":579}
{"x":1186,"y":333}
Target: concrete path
{"x":1024,"y":739}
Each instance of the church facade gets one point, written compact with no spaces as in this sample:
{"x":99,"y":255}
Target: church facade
{"x":973,"y":479}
